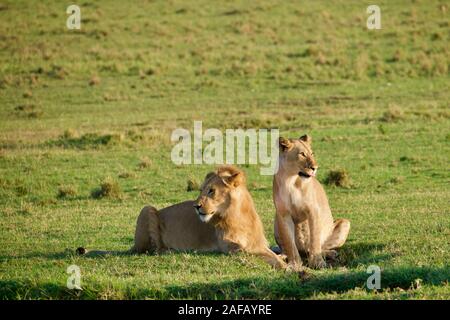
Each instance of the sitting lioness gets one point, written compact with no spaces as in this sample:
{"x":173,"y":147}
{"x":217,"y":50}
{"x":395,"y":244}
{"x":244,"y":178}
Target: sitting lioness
{"x":222,"y":219}
{"x":303,"y":217}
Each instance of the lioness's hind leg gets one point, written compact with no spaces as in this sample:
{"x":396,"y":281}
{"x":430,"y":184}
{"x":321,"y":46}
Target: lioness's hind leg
{"x":147,"y":236}
{"x":338,"y":236}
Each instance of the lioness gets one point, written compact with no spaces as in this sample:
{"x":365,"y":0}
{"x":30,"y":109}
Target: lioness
{"x":222,"y":219}
{"x":303,"y":219}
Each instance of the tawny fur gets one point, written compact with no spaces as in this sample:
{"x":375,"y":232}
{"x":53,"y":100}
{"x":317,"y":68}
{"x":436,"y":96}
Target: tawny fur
{"x":230,"y":222}
{"x":303,"y":220}
{"x":238,"y":226}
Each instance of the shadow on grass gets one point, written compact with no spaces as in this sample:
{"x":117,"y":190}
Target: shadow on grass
{"x":350,"y":255}
{"x":98,"y":254}
{"x":281,"y":287}
{"x":354,"y":254}
{"x":286,"y":287}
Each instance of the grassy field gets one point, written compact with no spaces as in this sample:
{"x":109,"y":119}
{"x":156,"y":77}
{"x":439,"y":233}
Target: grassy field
{"x":78,"y":107}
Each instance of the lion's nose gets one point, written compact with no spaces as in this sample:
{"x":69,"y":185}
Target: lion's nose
{"x":197,"y":206}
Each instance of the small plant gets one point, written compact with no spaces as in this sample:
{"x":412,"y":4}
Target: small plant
{"x":145,"y":163}
{"x":95,"y":80}
{"x":58,"y":72}
{"x":66,"y":191}
{"x":28,"y":110}
{"x":109,"y":188}
{"x":70,"y":139}
{"x":397,"y":180}
{"x":412,"y":160}
{"x":127,"y":174}
{"x":338,"y":178}
{"x":22,"y":190}
{"x":392,"y":115}
{"x":192,"y":185}
{"x":69,"y":134}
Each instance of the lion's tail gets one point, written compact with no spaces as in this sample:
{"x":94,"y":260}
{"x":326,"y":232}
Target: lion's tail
{"x":147,"y":237}
{"x":91,"y":253}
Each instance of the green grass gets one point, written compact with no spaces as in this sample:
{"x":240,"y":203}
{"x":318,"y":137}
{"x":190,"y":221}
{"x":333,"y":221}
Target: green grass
{"x":78,"y":108}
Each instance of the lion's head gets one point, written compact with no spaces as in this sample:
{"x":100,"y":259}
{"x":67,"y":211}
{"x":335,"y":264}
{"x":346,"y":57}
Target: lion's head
{"x":297,"y":157}
{"x":217,"y":192}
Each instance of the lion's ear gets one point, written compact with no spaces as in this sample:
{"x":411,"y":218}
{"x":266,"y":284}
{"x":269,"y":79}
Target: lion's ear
{"x":208,"y":176}
{"x":235,"y":180}
{"x":306,"y":138}
{"x":231,"y":176}
{"x":285,"y":144}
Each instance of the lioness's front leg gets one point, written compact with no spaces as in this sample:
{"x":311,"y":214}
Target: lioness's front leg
{"x":287,"y":237}
{"x":315,"y":258}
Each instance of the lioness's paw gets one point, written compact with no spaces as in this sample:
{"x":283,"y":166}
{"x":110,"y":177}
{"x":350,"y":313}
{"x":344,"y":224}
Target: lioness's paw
{"x":316,"y":262}
{"x":331,"y":255}
{"x":294,"y":267}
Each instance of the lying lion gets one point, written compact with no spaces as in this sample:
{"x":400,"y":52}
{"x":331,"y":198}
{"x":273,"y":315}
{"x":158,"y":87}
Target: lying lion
{"x":303,"y":217}
{"x":222,"y":219}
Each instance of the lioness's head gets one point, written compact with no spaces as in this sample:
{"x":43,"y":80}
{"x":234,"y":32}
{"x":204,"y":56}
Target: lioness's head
{"x":216,"y":192}
{"x":297,"y":157}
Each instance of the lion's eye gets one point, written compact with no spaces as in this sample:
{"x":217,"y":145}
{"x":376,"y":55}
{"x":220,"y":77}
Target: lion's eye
{"x":211,"y":192}
{"x":302,"y":154}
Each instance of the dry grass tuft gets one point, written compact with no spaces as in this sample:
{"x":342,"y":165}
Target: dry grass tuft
{"x":145,"y":163}
{"x":66,"y":191}
{"x":127,"y":175}
{"x":28,"y":110}
{"x":192,"y":185}
{"x":109,"y":188}
{"x":338,"y":178}
{"x":392,"y":115}
{"x":95,"y":80}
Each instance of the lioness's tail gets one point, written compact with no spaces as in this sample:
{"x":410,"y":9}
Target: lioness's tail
{"x":147,"y":237}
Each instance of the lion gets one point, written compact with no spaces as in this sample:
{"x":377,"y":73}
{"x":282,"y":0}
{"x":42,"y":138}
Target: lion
{"x":303,"y":220}
{"x":222,"y":219}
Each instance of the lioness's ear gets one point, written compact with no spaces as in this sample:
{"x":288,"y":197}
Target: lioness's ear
{"x":285,"y":144}
{"x":235,"y":180}
{"x":306,"y":138}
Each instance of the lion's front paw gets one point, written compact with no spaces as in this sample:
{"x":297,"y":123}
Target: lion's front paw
{"x":316,"y":262}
